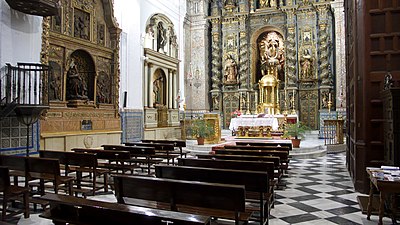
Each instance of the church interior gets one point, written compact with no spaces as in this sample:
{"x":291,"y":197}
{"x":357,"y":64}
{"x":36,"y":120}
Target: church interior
{"x":110,"y":109}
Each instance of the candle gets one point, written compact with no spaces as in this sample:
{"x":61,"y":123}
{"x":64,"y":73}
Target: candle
{"x":330,"y":97}
{"x":285,"y":94}
{"x":293,"y":94}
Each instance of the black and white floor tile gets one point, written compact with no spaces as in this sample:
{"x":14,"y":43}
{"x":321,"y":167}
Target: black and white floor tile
{"x":319,"y":191}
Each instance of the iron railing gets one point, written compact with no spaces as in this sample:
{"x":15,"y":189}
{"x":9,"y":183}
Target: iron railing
{"x":24,"y":84}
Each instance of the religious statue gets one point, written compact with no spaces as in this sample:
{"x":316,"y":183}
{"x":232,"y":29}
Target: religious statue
{"x":229,"y":4}
{"x":77,"y":86}
{"x":230,"y":70}
{"x":55,"y":86}
{"x":161,"y":37}
{"x":271,"y":54}
{"x":81,"y":25}
{"x":306,"y":63}
{"x":157,"y":89}
{"x":268,"y":3}
{"x":216,"y":101}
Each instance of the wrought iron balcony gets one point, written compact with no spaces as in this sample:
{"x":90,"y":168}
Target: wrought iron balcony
{"x":24,"y":90}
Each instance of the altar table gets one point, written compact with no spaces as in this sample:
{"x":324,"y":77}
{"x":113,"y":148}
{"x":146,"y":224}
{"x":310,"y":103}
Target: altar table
{"x":253,"y":121}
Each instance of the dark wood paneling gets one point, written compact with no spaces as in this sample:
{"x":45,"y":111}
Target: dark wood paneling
{"x":372,"y":46}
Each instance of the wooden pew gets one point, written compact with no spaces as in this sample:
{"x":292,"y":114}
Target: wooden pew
{"x":163,"y":150}
{"x":273,"y":144}
{"x":217,"y":200}
{"x":177,"y":143}
{"x":283,"y":155}
{"x":71,"y":210}
{"x":139,"y":154}
{"x":115,"y":160}
{"x":46,"y":169}
{"x":79,"y":163}
{"x":236,"y":165}
{"x":17,"y":167}
{"x":275,"y":159}
{"x":254,"y":181}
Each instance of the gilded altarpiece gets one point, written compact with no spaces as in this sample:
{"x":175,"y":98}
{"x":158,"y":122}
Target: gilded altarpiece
{"x":81,"y":45}
{"x":290,"y":41}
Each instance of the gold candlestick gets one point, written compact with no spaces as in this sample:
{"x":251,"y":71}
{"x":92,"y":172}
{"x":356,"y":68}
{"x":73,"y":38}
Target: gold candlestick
{"x":293,"y":105}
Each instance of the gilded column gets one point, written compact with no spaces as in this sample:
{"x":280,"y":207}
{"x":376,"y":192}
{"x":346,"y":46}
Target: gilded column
{"x":324,"y":46}
{"x":44,"y":54}
{"x":115,"y":41}
{"x":216,"y":64}
{"x":216,"y":57}
{"x":291,"y":69}
{"x":243,"y":60}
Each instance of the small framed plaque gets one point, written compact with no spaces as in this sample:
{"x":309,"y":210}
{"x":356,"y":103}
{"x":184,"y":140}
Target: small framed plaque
{"x":86,"y":125}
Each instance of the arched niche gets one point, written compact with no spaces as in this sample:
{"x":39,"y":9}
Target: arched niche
{"x":257,"y":52}
{"x":80,"y":76}
{"x":159,"y":87}
{"x":160,"y":35}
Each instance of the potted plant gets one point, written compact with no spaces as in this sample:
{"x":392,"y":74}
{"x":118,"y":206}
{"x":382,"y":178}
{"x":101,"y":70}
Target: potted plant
{"x":201,"y":130}
{"x":296,"y":131}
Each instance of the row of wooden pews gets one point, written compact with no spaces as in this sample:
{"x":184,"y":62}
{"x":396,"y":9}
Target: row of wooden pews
{"x":71,"y":210}
{"x":174,"y":189}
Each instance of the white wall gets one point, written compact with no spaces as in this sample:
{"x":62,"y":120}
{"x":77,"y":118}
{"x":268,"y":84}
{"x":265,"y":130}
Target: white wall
{"x":132,"y":16}
{"x":20,"y":36}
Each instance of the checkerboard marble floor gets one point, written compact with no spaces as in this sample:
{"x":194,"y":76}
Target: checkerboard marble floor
{"x":319,"y":191}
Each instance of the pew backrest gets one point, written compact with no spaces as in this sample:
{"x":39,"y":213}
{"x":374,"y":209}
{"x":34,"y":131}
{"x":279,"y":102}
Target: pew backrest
{"x":174,"y":192}
{"x":229,"y":164}
{"x":157,"y":146}
{"x":72,"y":210}
{"x":176,"y":143}
{"x":252,"y":180}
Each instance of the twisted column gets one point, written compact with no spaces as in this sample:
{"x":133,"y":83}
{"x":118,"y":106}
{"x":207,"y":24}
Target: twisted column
{"x":324,"y":54}
{"x":243,"y":60}
{"x":216,"y":58}
{"x":291,"y":58}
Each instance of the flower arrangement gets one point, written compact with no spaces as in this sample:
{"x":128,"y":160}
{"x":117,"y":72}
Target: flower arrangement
{"x":236,"y":113}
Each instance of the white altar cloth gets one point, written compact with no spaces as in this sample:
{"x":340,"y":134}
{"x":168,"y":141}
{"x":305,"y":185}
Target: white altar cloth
{"x":254,"y":121}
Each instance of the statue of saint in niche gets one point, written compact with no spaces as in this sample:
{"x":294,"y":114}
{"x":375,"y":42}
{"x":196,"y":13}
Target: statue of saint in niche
{"x":306,"y":63}
{"x":230,"y":70}
{"x":76,"y":85}
{"x":271,"y":55}
{"x":157,"y":90}
{"x":161,"y":37}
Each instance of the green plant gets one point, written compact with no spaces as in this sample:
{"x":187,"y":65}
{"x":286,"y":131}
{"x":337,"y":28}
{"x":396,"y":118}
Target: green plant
{"x":201,"y":129}
{"x":296,"y":130}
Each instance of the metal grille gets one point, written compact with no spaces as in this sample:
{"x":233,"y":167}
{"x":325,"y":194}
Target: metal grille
{"x":24,"y":84}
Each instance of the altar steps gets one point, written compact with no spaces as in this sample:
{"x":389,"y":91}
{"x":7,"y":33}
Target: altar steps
{"x":310,"y":147}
